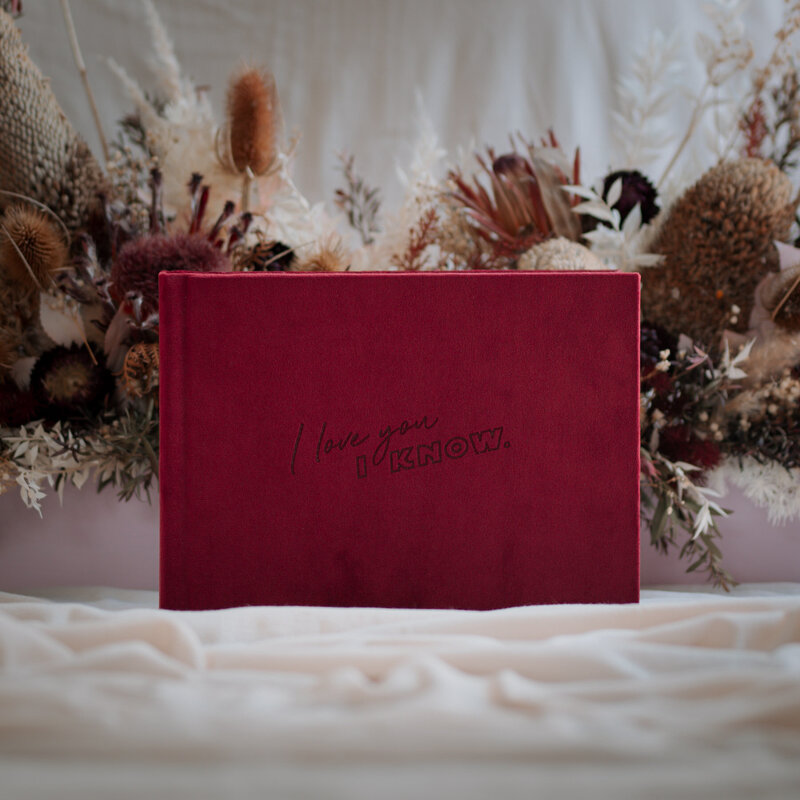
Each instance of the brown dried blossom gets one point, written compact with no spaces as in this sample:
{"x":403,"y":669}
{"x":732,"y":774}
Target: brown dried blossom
{"x":32,"y":249}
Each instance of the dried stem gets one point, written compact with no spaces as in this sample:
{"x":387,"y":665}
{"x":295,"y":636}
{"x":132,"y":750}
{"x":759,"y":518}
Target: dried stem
{"x":696,"y":114}
{"x":79,"y":63}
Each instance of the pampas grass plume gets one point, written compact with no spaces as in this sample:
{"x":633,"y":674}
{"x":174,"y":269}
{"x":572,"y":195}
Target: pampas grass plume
{"x":254,"y":120}
{"x":31,"y":247}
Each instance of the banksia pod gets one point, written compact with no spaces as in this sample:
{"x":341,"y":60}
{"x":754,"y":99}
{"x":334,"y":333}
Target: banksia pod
{"x":41,"y":156}
{"x":717,"y":243}
{"x":32,"y":249}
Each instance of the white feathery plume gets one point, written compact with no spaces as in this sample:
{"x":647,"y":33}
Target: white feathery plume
{"x":169,"y":70}
{"x":645,"y":99}
{"x":769,"y":486}
{"x":422,"y":187}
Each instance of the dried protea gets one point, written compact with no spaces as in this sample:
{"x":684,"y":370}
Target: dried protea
{"x":560,"y":254}
{"x":140,"y":369}
{"x":255,"y":124}
{"x":70,"y":383}
{"x":328,"y":255}
{"x":717,"y":243}
{"x":525,"y":204}
{"x":32,"y":249}
{"x":134,"y":274}
{"x":41,"y":156}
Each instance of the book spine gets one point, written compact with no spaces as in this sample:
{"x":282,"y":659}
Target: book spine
{"x":173,"y":307}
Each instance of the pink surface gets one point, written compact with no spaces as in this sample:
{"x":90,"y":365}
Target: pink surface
{"x":95,"y":540}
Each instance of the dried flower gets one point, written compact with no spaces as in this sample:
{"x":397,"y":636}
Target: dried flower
{"x":560,"y":254}
{"x":254,"y":121}
{"x":140,"y":369}
{"x":718,"y":242}
{"x":635,"y":190}
{"x":134,"y":274}
{"x":17,"y":405}
{"x":329,"y":255}
{"x":263,"y":256}
{"x":32,"y":250}
{"x":526,"y":204}
{"x":67,"y":383}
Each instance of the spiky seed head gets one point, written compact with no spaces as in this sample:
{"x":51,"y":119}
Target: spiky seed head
{"x":254,"y":120}
{"x":32,"y":249}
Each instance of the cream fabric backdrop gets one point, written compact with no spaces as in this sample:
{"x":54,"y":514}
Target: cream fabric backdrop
{"x":348,"y":70}
{"x":348,"y":73}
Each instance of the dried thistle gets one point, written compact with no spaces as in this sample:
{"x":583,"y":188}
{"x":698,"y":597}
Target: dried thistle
{"x":329,"y":255}
{"x":360,"y":203}
{"x":41,"y":156}
{"x":32,"y":250}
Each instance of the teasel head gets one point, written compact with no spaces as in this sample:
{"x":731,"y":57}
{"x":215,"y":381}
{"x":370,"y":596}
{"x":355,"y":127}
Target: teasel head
{"x":32,"y":248}
{"x":249,"y":142}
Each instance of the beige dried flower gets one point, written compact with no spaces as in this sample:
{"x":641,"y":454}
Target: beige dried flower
{"x":41,"y":156}
{"x":717,"y":243}
{"x":560,"y":254}
{"x":328,"y":255}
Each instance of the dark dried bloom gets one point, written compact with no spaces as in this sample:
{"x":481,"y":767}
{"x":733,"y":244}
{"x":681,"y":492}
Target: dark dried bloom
{"x":636,"y":191}
{"x":134,"y":274}
{"x":67,"y":383}
{"x":17,"y":405}
{"x":680,"y":443}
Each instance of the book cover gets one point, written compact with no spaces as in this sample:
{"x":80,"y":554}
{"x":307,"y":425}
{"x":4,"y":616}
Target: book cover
{"x":439,"y":440}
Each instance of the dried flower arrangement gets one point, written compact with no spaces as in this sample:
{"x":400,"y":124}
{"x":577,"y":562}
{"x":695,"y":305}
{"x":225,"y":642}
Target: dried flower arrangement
{"x":81,"y":248}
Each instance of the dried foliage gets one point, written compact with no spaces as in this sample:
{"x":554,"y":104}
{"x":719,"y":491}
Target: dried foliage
{"x":360,"y":203}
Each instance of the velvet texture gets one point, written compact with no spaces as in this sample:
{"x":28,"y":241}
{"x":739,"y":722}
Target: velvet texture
{"x":440,"y":440}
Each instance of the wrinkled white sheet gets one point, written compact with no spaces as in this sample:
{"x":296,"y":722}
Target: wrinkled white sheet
{"x":692,"y":693}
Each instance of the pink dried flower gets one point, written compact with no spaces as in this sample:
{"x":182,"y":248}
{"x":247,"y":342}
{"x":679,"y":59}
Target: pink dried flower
{"x":134,"y":274}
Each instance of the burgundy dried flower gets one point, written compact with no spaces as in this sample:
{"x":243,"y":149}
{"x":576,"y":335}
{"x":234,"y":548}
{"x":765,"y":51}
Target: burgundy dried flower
{"x":67,"y":383}
{"x":679,"y":443}
{"x":17,"y":405}
{"x":636,"y":190}
{"x":134,"y":274}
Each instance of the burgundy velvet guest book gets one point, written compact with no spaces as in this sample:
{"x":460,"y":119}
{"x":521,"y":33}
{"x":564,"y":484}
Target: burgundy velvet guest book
{"x":440,"y":440}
